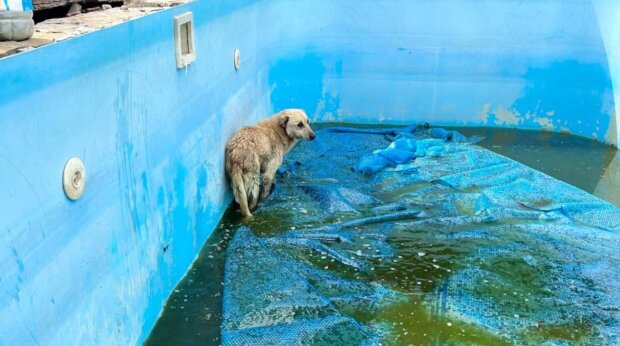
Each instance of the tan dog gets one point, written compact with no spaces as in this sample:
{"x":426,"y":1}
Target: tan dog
{"x":256,"y":152}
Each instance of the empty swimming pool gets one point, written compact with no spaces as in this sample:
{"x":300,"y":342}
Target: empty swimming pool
{"x":404,"y":235}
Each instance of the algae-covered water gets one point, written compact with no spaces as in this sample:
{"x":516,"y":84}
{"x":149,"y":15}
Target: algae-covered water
{"x":426,"y":256}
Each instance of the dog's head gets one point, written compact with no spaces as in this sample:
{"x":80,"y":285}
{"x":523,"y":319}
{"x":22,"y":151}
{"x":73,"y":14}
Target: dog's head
{"x":296,"y":125}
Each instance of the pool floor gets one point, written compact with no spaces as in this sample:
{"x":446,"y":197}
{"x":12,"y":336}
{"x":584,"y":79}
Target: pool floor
{"x":193,"y":314}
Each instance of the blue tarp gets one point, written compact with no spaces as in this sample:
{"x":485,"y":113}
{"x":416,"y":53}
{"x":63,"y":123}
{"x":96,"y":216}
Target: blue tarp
{"x":390,"y":217}
{"x":275,"y":305}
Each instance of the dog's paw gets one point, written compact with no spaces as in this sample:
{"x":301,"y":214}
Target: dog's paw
{"x":273,"y":188}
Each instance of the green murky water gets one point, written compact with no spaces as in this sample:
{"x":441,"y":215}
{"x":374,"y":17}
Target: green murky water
{"x":192,"y":315}
{"x":578,"y":161}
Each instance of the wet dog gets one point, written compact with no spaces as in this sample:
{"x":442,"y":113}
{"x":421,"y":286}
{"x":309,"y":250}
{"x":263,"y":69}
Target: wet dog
{"x":254,"y":154}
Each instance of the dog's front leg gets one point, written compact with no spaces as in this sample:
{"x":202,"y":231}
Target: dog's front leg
{"x":269,"y":177}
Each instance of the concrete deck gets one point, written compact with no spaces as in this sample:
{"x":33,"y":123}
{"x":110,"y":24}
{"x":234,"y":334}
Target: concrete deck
{"x":58,"y":29}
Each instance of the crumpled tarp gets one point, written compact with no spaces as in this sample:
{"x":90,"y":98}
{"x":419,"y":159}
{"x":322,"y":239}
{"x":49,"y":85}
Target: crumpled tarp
{"x":389,"y":217}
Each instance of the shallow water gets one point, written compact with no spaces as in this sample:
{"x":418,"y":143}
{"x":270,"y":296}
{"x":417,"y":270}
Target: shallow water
{"x":192,"y":315}
{"x":575,"y":160}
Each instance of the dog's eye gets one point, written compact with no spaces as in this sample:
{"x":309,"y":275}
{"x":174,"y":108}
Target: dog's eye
{"x":300,"y":125}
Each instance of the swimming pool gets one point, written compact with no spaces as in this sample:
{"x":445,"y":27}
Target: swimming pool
{"x":149,"y":134}
{"x":427,"y":257}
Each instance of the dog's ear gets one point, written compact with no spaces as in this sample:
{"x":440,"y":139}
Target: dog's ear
{"x":283,"y":121}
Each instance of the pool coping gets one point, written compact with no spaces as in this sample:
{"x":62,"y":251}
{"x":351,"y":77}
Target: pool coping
{"x":59,"y":29}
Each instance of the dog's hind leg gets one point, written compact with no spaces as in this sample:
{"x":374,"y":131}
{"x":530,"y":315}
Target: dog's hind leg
{"x":238,"y":188}
{"x":269,"y":176}
{"x":252,"y":187}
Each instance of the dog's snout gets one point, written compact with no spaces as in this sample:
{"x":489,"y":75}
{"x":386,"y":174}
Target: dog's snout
{"x":312,"y":136}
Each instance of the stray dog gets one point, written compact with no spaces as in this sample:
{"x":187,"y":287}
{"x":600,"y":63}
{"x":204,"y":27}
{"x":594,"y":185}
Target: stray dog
{"x":256,"y":152}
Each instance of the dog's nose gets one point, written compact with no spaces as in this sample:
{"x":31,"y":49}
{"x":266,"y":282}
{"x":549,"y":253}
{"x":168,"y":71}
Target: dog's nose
{"x":312,"y":136}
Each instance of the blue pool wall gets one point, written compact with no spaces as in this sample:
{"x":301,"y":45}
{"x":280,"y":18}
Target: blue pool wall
{"x":99,"y":270}
{"x":533,"y":65}
{"x":151,"y":137}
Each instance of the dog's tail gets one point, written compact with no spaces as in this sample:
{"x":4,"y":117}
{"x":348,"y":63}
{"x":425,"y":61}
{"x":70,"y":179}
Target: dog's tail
{"x":238,"y":187}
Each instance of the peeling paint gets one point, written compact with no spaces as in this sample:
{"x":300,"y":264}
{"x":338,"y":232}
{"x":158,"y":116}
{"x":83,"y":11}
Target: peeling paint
{"x":499,"y":116}
{"x":545,"y":123}
{"x":505,"y":116}
{"x":484,"y":113}
{"x":568,"y":94}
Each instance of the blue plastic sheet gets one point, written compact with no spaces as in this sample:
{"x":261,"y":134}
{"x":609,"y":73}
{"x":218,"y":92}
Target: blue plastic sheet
{"x":266,"y":303}
{"x":528,"y":254}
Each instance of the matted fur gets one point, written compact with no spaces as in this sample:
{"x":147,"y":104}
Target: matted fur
{"x":254,"y":154}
